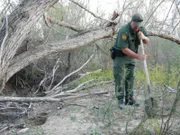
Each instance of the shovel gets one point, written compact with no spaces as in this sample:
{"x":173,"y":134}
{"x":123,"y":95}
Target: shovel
{"x":150,"y":103}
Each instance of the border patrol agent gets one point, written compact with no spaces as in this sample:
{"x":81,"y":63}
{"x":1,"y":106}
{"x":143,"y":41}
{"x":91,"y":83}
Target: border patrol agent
{"x":124,"y":54}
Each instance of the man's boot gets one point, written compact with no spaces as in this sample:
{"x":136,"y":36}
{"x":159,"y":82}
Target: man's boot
{"x":131,"y":101}
{"x":126,"y":101}
{"x":121,"y":105}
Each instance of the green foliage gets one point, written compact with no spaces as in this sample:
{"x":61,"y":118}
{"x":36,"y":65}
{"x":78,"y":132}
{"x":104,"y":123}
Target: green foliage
{"x":104,"y":75}
{"x":162,"y":52}
{"x":159,"y":76}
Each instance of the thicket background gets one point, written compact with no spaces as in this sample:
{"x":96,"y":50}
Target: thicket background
{"x":161,"y":17}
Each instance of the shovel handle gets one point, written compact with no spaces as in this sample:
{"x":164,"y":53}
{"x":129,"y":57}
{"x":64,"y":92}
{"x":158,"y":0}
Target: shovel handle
{"x":145,"y":66}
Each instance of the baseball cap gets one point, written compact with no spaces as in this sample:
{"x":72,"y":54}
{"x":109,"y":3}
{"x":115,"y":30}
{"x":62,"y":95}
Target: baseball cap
{"x":137,"y":19}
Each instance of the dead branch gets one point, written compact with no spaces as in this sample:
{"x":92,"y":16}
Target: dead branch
{"x":178,"y":21}
{"x":46,"y":20}
{"x":166,"y":16}
{"x":13,"y":110}
{"x":64,"y":24}
{"x":74,"y":104}
{"x":153,"y":12}
{"x":168,"y":37}
{"x":68,"y":93}
{"x":80,"y":87}
{"x":169,"y":89}
{"x":114,"y":16}
{"x":102,"y":50}
{"x":53,"y":73}
{"x":5,"y":128}
{"x":4,"y":40}
{"x":55,"y":87}
{"x":91,"y":12}
{"x":48,"y":99}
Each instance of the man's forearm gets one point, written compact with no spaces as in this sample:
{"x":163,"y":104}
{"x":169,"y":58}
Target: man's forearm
{"x":132,"y":54}
{"x":145,"y":40}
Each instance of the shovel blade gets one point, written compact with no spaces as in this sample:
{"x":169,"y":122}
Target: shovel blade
{"x":151,"y":107}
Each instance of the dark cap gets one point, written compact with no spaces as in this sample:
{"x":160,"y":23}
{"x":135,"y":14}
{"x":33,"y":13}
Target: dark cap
{"x":137,"y":18}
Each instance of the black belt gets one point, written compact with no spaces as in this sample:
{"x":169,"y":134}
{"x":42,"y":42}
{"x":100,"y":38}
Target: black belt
{"x":117,"y":53}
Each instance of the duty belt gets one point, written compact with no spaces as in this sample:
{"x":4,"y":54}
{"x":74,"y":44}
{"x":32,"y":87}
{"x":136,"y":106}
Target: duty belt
{"x":117,"y":53}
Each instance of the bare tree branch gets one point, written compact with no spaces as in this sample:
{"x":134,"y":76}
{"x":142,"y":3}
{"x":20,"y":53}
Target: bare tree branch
{"x":78,"y":88}
{"x":71,"y":74}
{"x":153,"y":12}
{"x":178,"y":21}
{"x":168,"y":37}
{"x":169,"y":89}
{"x":53,"y":73}
{"x":166,"y":16}
{"x":175,"y":26}
{"x":4,"y":40}
{"x":64,"y":24}
{"x":90,"y":12}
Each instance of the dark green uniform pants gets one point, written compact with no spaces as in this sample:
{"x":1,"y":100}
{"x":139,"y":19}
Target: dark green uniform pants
{"x":124,"y":68}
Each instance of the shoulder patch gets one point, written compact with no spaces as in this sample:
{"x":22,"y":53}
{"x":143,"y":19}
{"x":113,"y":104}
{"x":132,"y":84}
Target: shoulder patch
{"x":124,"y":36}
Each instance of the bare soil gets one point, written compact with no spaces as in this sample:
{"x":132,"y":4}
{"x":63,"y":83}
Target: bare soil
{"x":90,"y":115}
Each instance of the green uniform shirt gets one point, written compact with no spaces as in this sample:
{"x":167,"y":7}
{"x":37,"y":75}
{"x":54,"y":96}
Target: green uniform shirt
{"x":128,"y":38}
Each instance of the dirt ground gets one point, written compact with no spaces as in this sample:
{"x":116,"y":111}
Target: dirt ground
{"x":90,"y":115}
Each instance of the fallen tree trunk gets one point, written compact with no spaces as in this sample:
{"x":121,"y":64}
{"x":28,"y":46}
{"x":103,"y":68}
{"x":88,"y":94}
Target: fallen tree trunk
{"x":24,"y":59}
{"x":48,"y":99}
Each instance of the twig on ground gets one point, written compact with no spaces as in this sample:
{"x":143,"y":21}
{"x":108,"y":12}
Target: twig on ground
{"x":169,"y":89}
{"x":5,"y":128}
{"x":48,"y":99}
{"x":75,"y":104}
{"x":78,"y":88}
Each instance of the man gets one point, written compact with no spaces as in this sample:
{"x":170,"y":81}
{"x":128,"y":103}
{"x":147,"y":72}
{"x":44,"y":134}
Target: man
{"x":125,"y":52}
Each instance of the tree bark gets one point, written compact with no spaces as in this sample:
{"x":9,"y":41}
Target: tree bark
{"x":20,"y":22}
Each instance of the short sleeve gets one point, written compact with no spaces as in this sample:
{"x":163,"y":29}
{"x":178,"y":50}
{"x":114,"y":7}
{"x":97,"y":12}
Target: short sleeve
{"x":121,"y":40}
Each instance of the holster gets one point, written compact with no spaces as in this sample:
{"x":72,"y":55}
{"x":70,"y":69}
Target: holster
{"x":116,"y":53}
